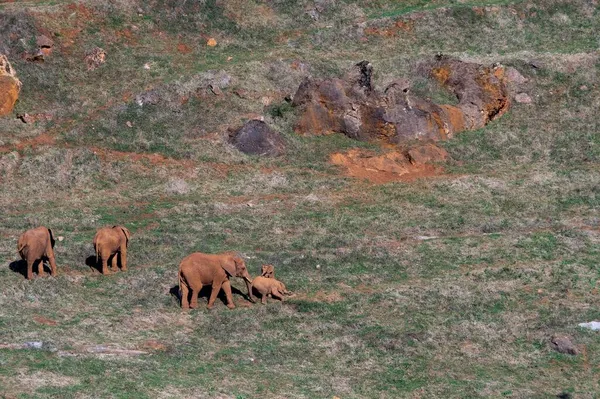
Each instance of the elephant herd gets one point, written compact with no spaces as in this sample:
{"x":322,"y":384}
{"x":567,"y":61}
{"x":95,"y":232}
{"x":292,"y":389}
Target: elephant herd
{"x":36,"y":246}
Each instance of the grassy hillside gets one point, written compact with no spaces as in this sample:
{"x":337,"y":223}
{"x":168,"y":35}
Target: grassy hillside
{"x":445,"y":287}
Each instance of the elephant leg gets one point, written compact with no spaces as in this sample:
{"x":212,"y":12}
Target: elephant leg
{"x":114,"y":267}
{"x":41,"y":268}
{"x":185,"y":292}
{"x":104,"y":260}
{"x":263,"y":299}
{"x":194,"y":301}
{"x":227,"y":288}
{"x":52,"y":262}
{"x":123,"y":255}
{"x":216,"y":287}
{"x":276,"y":294}
{"x":29,"y":269}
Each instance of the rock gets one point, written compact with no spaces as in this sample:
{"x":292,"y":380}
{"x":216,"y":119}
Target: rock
{"x":592,"y":325}
{"x":26,"y":118}
{"x":513,"y":76}
{"x":151,"y":97}
{"x":177,"y":186}
{"x":427,"y":153}
{"x":353,"y":106}
{"x":45,"y":44}
{"x":216,"y":90}
{"x":94,"y":58}
{"x":523,"y":98}
{"x":10,"y":86}
{"x":257,"y":138}
{"x":563,"y":344}
{"x":211,"y":42}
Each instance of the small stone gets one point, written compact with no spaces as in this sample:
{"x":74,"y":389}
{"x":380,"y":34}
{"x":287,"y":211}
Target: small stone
{"x":44,"y":41}
{"x":514,"y":76}
{"x":216,"y":90}
{"x":318,"y":266}
{"x":583,"y":88}
{"x":563,"y":344}
{"x":26,"y":118}
{"x":211,"y":42}
{"x":60,"y":238}
{"x":523,"y":98}
{"x":147,"y":65}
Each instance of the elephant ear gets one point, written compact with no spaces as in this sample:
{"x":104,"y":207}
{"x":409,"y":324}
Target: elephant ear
{"x":125,"y":231}
{"x":228,"y":264}
{"x":52,"y":240}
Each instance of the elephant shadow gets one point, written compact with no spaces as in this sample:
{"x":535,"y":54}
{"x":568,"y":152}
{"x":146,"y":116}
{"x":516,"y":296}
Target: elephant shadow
{"x":205,"y":294}
{"x":96,"y":265}
{"x":20,"y":266}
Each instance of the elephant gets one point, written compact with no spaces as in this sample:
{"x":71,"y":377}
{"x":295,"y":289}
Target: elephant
{"x":266,"y":286}
{"x":110,"y":242}
{"x":267,"y":271}
{"x":37,"y":245}
{"x":199,"y":269}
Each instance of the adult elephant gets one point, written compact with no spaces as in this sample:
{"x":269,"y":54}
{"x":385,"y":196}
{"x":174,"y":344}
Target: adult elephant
{"x":37,"y":245}
{"x":200,"y":269}
{"x":112,"y":242}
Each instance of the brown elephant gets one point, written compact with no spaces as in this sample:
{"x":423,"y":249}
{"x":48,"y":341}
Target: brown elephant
{"x":37,"y":245}
{"x":200,"y":269}
{"x":112,"y":242}
{"x":266,"y":286}
{"x":267,"y":271}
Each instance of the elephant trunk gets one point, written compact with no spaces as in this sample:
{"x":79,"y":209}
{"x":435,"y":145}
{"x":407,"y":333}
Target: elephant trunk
{"x":249,"y":286}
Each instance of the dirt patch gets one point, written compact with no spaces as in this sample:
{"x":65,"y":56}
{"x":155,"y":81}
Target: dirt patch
{"x":41,"y":140}
{"x":44,"y":320}
{"x":391,"y":166}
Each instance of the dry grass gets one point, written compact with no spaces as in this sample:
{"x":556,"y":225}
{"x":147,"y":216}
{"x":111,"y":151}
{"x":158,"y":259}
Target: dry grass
{"x":446,"y":287}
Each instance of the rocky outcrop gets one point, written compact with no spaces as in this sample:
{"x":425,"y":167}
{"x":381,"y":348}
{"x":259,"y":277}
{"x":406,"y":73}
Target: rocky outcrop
{"x":353,"y":106}
{"x":257,"y":138}
{"x":10,"y":86}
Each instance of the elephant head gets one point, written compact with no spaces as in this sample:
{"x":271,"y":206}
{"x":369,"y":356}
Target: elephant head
{"x":235,"y":266}
{"x":267,"y":271}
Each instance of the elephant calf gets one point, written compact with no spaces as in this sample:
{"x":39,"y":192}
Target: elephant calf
{"x":199,"y":269}
{"x":112,"y":241}
{"x":37,"y":245}
{"x":266,"y":286}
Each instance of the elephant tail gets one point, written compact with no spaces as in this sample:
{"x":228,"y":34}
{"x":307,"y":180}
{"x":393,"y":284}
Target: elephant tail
{"x":97,"y":248}
{"x":22,"y":248}
{"x":181,"y":282}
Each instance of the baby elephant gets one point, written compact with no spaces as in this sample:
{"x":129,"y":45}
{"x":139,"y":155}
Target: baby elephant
{"x":266,"y":286}
{"x":112,"y":241}
{"x":37,"y":245}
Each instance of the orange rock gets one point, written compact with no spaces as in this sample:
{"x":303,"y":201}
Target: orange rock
{"x":9,"y":93}
{"x":10,"y":86}
{"x":211,"y":42}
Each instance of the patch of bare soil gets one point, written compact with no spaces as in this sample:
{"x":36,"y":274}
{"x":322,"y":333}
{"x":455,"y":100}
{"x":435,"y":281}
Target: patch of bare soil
{"x":44,"y":320}
{"x":391,"y":166}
